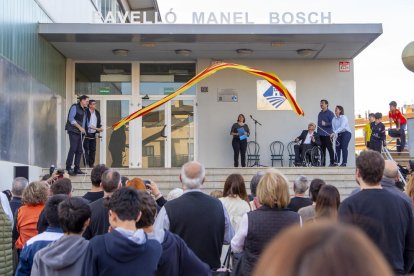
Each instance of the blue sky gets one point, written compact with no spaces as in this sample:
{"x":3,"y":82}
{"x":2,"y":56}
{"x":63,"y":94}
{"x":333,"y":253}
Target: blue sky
{"x":380,"y":75}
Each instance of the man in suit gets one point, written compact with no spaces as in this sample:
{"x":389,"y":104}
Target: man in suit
{"x":308,"y":139}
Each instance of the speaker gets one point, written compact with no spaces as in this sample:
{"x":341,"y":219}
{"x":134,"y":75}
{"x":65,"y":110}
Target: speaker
{"x":21,"y":171}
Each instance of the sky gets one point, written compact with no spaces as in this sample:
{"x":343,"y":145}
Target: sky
{"x":380,"y":75}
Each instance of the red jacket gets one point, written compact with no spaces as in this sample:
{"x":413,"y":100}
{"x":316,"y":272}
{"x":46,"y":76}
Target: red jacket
{"x":27,"y":217}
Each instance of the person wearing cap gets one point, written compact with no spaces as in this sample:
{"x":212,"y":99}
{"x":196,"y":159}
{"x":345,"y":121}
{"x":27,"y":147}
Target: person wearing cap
{"x":94,"y":127}
{"x":400,"y":122}
{"x":75,"y":126}
{"x":377,"y":133}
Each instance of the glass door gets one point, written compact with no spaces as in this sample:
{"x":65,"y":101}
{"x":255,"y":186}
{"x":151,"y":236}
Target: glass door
{"x":182,"y":132}
{"x":117,"y":142}
{"x":154,"y":137}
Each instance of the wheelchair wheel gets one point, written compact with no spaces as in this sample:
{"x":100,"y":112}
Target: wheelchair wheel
{"x":316,"y":157}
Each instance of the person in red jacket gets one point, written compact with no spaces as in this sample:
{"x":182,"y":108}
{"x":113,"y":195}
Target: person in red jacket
{"x":34,"y":198}
{"x":400,"y":122}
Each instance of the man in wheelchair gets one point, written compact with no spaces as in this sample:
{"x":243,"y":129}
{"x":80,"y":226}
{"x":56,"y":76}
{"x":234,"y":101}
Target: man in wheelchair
{"x":306,"y":141}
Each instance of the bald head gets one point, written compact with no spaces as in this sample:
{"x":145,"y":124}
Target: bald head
{"x":390,"y":169}
{"x":192,"y":175}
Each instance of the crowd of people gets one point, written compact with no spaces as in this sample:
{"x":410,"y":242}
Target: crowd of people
{"x":127,"y":227}
{"x":375,"y":130}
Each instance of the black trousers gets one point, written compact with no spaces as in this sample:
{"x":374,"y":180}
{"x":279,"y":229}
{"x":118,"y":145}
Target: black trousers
{"x":239,"y":147}
{"x":90,"y":149}
{"x":401,"y":140}
{"x":75,"y":150}
{"x":326,"y":143}
{"x":300,"y":151}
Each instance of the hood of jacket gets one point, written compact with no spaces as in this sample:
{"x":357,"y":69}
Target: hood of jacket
{"x":64,"y":252}
{"x":125,"y":247}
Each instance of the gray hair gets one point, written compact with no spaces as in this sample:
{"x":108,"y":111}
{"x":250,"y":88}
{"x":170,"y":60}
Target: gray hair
{"x":18,"y":186}
{"x":390,"y":169}
{"x":255,"y":181}
{"x":300,"y":185}
{"x":192,"y":175}
{"x":175,"y":193}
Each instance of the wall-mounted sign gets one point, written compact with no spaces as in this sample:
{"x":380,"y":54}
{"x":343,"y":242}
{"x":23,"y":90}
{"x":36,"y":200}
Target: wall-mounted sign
{"x":204,"y":89}
{"x":222,"y":17}
{"x":344,"y":66}
{"x":269,"y":98}
{"x":168,"y":90}
{"x":104,"y":90}
{"x":227,"y":95}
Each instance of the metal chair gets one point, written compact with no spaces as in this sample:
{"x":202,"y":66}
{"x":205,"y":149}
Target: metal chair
{"x":313,"y":157}
{"x":253,"y":154}
{"x":291,"y":152}
{"x":276,"y":152}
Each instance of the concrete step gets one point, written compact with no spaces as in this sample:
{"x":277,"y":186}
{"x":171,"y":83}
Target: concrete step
{"x":168,"y":179}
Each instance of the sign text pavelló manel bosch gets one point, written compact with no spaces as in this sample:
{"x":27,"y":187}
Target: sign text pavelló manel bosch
{"x":145,"y":17}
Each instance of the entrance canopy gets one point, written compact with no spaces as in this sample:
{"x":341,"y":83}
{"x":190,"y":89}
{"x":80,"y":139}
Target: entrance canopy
{"x":163,"y":42}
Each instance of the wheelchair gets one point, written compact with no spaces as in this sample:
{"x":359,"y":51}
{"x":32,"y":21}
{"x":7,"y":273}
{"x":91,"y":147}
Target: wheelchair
{"x":313,"y":157}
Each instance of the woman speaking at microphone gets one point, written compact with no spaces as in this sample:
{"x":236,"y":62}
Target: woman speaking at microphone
{"x":240,"y":131}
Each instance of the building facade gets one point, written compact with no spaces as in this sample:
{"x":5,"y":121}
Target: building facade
{"x":45,"y":63}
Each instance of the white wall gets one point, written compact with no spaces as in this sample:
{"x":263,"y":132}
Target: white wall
{"x":315,"y":80}
{"x":68,"y":11}
{"x":7,"y":174}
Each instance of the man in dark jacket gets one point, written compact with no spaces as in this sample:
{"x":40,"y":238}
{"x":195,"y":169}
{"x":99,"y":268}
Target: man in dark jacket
{"x":200,"y":220}
{"x":111,"y":181}
{"x":385,"y":217}
{"x":308,"y":139}
{"x":325,"y":130}
{"x":19,"y":183}
{"x":126,"y":250}
{"x":75,"y":126}
{"x":66,"y":255}
{"x":94,"y":128}
{"x":176,"y":259}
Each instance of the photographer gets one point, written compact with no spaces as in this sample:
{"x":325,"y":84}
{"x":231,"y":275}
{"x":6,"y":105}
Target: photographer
{"x":75,"y":126}
{"x":94,"y":127}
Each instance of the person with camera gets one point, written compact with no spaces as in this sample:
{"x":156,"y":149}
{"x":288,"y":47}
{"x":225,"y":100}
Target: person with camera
{"x":75,"y":126}
{"x":94,"y":127}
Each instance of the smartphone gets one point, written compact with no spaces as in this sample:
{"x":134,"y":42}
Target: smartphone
{"x":147,"y":184}
{"x":60,"y":173}
{"x":51,"y":169}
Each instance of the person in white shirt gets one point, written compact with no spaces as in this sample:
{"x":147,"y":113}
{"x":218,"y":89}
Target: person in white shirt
{"x":307,"y":139}
{"x":94,"y":128}
{"x":342,"y":134}
{"x":235,"y":199}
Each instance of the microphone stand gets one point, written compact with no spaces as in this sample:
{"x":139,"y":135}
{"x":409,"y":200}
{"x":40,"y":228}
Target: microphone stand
{"x":256,"y":163}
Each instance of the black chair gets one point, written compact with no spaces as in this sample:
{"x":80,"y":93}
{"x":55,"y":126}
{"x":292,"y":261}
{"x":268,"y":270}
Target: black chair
{"x":253,"y":154}
{"x":313,"y":157}
{"x":276,"y":152}
{"x":291,"y":152}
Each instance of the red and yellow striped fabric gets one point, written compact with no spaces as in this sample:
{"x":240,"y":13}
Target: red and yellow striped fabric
{"x":270,"y":77}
